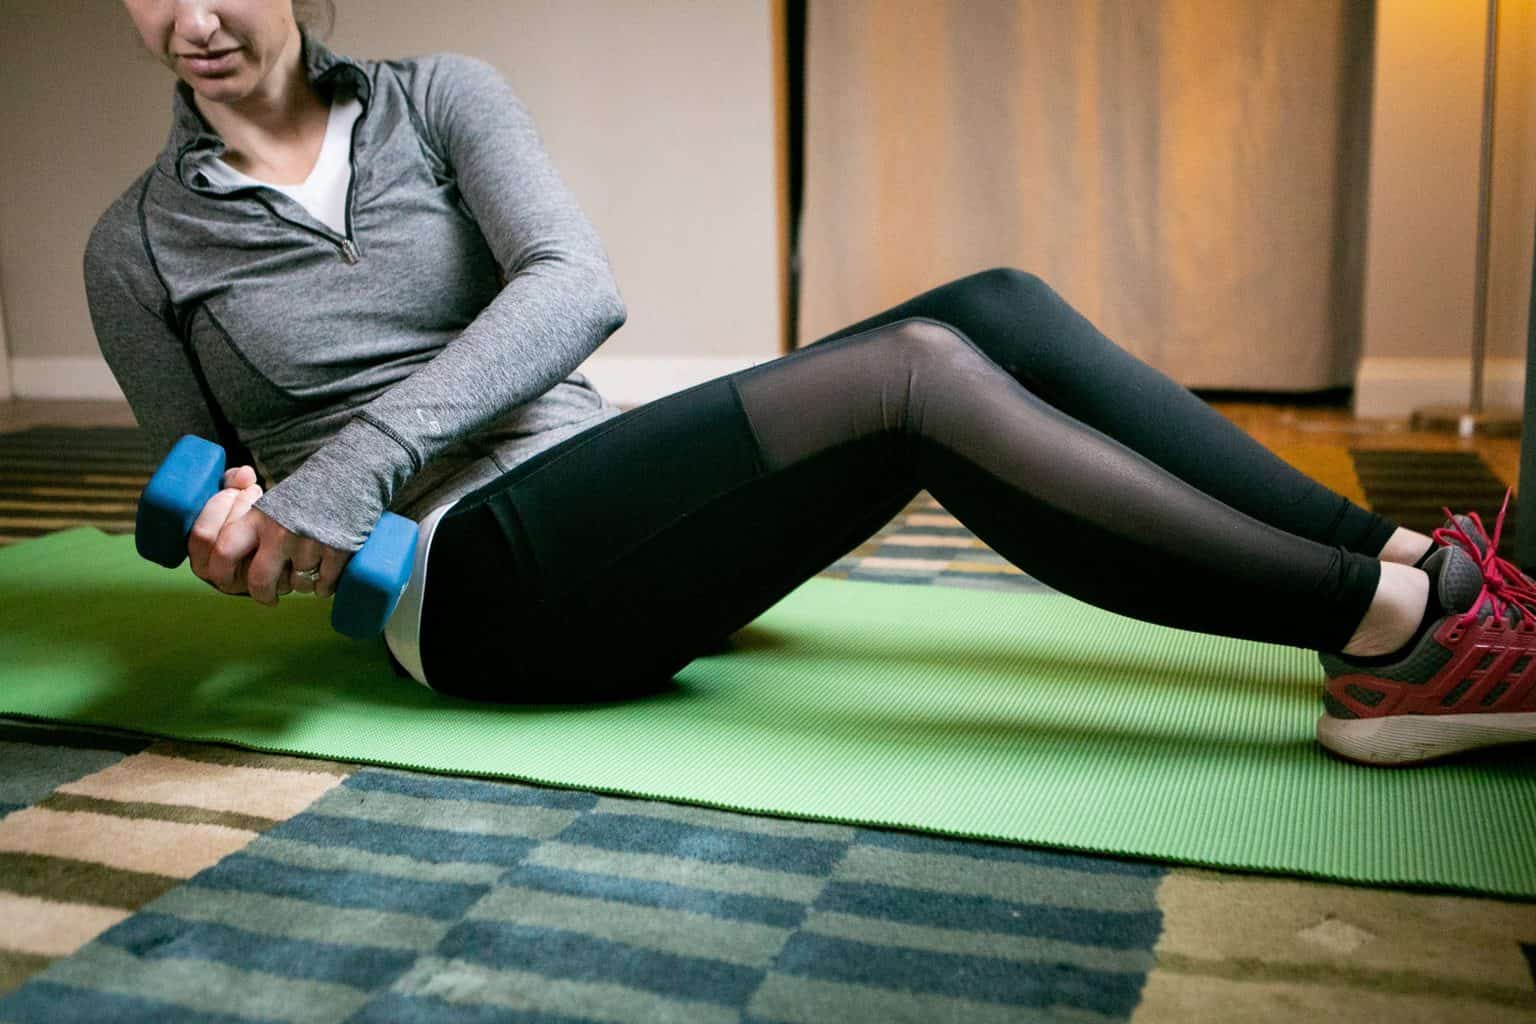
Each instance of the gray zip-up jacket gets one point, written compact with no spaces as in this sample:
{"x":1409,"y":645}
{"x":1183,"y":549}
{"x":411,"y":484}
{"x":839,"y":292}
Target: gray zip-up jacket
{"x":399,"y":366}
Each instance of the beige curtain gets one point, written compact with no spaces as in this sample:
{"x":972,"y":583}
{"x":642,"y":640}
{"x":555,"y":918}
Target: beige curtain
{"x":1190,"y":174}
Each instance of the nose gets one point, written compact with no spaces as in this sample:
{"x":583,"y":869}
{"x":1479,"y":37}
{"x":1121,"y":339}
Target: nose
{"x":196,"y":21}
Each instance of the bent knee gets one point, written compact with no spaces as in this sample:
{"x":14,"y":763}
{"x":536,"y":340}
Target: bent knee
{"x":923,"y":336}
{"x":923,"y":341}
{"x":1011,"y":280}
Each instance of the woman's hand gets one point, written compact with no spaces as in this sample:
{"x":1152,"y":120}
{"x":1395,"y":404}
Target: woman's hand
{"x":239,"y":493}
{"x":241,"y":550}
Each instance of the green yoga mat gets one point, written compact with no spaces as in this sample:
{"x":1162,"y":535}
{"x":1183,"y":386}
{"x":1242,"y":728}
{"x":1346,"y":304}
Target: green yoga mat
{"x":1023,"y":717}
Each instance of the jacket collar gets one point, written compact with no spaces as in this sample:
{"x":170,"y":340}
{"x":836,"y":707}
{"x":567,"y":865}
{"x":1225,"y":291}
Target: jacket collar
{"x":191,"y":133}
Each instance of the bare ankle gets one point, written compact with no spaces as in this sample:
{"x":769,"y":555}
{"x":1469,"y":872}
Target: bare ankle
{"x":1397,"y":609}
{"x":1405,"y":547}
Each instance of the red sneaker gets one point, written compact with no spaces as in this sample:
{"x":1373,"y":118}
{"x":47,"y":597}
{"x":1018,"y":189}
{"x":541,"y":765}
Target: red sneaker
{"x":1469,"y":682}
{"x":1471,"y":526}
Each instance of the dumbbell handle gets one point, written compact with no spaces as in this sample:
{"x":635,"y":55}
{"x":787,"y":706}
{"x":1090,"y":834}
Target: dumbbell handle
{"x":193,"y":472}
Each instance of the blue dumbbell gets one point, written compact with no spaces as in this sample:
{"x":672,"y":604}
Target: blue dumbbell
{"x":193,"y":472}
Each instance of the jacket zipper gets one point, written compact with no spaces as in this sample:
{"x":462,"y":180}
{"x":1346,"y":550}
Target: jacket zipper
{"x":348,"y":247}
{"x":345,"y":245}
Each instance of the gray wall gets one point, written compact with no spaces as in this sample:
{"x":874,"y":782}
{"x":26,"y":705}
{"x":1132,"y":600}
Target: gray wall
{"x":658,"y":113}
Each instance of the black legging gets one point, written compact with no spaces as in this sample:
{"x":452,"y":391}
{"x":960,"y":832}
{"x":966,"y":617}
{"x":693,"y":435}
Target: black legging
{"x":619,"y":555}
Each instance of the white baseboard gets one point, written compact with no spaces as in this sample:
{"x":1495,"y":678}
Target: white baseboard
{"x":625,"y":380}
{"x":1392,"y":388}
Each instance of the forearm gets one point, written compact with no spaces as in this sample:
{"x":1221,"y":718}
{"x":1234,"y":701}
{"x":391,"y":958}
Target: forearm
{"x":548,"y":319}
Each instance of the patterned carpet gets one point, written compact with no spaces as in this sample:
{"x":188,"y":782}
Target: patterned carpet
{"x":54,"y":478}
{"x":144,"y":880}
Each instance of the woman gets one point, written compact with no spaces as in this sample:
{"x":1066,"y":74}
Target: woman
{"x":368,"y":276}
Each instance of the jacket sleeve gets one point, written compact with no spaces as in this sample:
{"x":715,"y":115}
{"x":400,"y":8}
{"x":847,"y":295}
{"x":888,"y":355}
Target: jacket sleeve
{"x":135,"y":332}
{"x":559,"y":304}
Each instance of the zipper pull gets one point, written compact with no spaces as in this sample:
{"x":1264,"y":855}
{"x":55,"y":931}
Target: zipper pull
{"x":349,"y":251}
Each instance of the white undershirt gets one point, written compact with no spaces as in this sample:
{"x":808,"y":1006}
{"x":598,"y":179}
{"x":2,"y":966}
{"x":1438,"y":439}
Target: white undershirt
{"x":324,"y":192}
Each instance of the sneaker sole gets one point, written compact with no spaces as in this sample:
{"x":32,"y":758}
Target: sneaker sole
{"x":1409,"y":739}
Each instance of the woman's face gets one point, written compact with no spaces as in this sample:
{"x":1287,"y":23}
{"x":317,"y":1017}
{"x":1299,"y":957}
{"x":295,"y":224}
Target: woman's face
{"x":223,"y":49}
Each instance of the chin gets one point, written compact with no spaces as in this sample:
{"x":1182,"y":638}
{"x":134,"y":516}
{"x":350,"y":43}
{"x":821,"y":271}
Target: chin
{"x":219,"y":90}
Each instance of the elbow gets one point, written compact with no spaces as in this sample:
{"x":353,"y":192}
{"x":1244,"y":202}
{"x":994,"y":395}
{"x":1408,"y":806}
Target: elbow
{"x":588,"y":283}
{"x":608,"y":309}
{"x":614,"y":312}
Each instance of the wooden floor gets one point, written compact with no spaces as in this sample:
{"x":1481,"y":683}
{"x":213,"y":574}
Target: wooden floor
{"x":1315,"y":439}
{"x":1318,"y":440}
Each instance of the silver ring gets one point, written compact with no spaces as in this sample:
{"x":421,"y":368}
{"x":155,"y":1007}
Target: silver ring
{"x":308,"y":574}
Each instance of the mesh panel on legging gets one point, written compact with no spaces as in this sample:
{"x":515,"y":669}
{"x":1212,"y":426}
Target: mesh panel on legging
{"x":1063,"y":501}
{"x":624,"y":552}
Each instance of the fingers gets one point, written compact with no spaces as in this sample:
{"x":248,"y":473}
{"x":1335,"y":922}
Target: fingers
{"x":307,"y":555}
{"x":327,"y":563}
{"x":275,"y":568}
{"x":205,"y":529}
{"x":331,"y":567}
{"x":270,"y":573}
{"x":215,"y":557}
{"x":236,"y":541}
{"x":240,"y":477}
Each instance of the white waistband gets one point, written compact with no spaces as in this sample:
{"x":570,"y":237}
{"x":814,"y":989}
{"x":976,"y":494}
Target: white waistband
{"x":403,"y":630}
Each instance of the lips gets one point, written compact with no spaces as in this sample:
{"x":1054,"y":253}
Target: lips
{"x":209,"y":63}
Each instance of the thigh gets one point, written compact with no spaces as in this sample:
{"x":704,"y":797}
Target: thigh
{"x":602,"y":566}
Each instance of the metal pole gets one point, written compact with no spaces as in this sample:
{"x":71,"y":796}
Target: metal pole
{"x":1474,"y":418}
{"x":1484,"y":211}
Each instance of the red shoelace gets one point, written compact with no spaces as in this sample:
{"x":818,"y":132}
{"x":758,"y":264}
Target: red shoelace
{"x":1504,"y":585}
